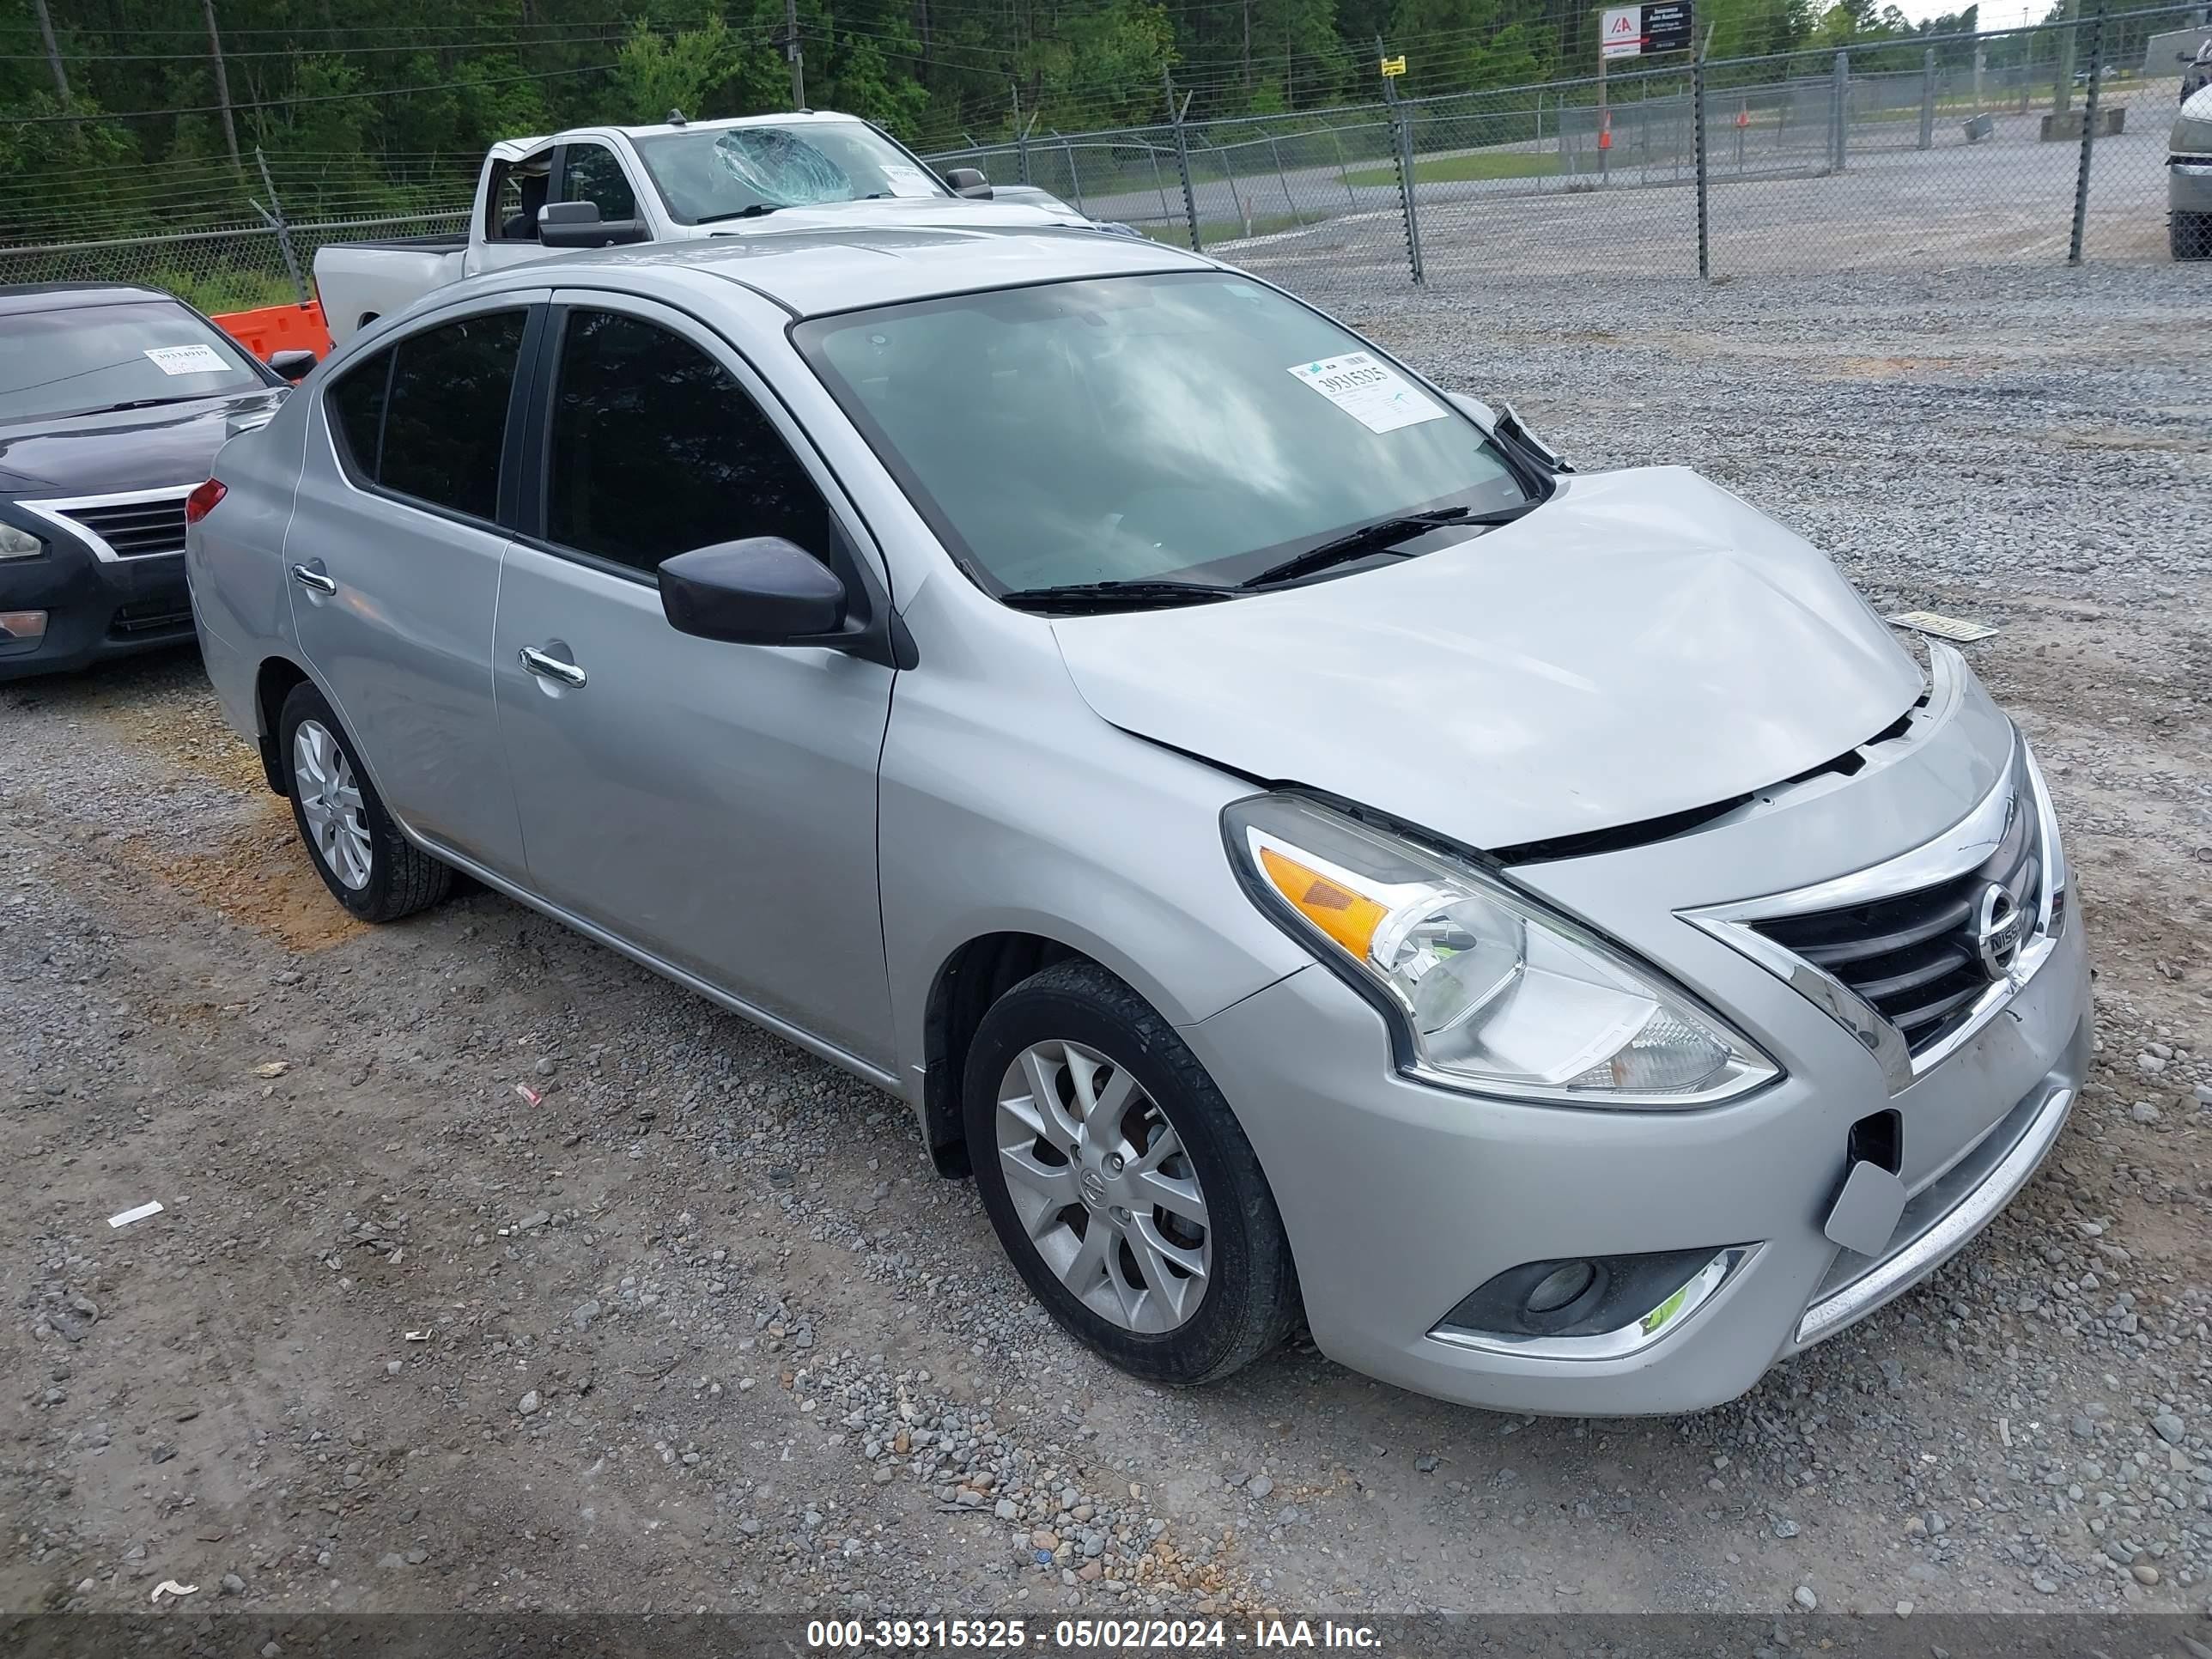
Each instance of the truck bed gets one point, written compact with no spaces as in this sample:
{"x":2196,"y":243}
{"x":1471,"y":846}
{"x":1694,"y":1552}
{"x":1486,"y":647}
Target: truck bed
{"x":444,"y":241}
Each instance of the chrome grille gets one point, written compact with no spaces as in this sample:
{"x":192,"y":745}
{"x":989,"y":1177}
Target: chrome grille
{"x":1914,"y":955}
{"x":135,"y":529}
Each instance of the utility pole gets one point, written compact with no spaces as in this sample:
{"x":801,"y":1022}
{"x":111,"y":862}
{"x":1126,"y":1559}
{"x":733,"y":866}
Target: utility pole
{"x":2061,"y":84}
{"x":53,"y":50}
{"x":222,"y":86}
{"x":1604,"y":114}
{"x":798,"y":57}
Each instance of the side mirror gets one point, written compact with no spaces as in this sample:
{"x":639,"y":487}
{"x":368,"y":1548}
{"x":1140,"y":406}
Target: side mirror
{"x":968,"y":182}
{"x":760,"y":591}
{"x":294,"y":365}
{"x":577,"y":224}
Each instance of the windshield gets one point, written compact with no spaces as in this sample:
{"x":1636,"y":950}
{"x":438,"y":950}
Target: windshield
{"x":83,"y":359}
{"x":708,"y":174}
{"x":1197,"y":427}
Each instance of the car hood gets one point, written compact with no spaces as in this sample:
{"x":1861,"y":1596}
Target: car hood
{"x":1645,"y":643}
{"x":127,"y":449}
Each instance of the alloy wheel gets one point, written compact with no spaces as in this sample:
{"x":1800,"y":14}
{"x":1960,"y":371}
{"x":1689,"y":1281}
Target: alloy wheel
{"x":1103,"y":1189}
{"x":330,"y":800}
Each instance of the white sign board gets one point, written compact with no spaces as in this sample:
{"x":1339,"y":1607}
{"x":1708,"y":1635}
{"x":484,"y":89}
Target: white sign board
{"x":905,"y":180}
{"x":186,"y":360}
{"x":1372,"y":393}
{"x":1620,"y":32}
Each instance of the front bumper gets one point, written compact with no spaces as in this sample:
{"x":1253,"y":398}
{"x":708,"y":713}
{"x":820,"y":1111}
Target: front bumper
{"x":95,"y":607}
{"x":2188,"y":184}
{"x":1401,"y":1198}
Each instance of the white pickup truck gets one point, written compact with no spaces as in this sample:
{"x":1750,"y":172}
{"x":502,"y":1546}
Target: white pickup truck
{"x":597,"y":186}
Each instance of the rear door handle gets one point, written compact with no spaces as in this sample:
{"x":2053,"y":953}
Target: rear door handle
{"x":551,"y":667}
{"x":308,"y":577}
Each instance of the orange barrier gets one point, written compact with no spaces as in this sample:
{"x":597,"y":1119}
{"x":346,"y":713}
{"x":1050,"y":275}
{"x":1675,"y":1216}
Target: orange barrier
{"x":279,"y":328}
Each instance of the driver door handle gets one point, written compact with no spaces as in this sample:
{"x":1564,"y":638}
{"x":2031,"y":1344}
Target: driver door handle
{"x":308,"y":577}
{"x":551,"y":667}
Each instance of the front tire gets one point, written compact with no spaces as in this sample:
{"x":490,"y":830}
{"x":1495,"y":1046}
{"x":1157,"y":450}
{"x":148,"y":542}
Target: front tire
{"x":372,"y":869}
{"x":1120,"y":1184}
{"x":2190,"y":235}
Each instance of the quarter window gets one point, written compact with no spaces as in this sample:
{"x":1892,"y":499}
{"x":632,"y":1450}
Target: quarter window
{"x":355,"y":407}
{"x":657,"y":450}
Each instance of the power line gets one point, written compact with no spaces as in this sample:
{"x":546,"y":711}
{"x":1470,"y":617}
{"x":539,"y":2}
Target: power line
{"x":311,"y":98}
{"x":295,"y":31}
{"x":317,"y":51}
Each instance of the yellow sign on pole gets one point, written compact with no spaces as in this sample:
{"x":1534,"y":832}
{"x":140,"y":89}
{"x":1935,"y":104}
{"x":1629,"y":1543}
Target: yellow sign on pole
{"x":1394,"y":66}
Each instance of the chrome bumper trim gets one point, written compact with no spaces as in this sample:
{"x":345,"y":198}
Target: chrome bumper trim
{"x":1670,"y":1315}
{"x":57,"y":511}
{"x":1959,"y":850}
{"x":1896,"y":1273}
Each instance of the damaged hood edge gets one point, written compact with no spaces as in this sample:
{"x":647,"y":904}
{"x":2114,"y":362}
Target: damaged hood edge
{"x":1645,"y":643}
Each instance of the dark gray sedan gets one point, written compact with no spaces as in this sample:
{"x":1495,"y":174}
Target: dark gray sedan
{"x":113,"y":400}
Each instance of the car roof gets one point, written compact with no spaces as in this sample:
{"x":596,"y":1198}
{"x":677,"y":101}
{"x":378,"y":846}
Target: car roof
{"x":17,"y":297}
{"x":846,"y":257}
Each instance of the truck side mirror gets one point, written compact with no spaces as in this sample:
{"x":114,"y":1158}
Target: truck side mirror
{"x":968,"y":182}
{"x":577,"y":224}
{"x":295,"y":365}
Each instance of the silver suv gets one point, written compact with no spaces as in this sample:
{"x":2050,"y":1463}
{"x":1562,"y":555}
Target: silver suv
{"x":1308,"y":854}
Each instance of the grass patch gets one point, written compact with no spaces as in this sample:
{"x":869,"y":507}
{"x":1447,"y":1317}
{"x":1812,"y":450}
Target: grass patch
{"x":1459,"y":169}
{"x":216,"y":292}
{"x":1211,"y":231}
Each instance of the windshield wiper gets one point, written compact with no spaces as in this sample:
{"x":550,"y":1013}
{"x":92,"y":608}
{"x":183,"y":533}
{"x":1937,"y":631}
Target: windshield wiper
{"x":758,"y":210}
{"x":1371,"y":537}
{"x":1077,"y":598}
{"x":156,"y":403}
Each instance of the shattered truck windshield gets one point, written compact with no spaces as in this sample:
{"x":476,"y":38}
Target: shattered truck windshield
{"x":708,"y":174}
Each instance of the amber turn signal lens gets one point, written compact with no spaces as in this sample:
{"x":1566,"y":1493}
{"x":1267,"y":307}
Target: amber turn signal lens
{"x":1349,"y":918}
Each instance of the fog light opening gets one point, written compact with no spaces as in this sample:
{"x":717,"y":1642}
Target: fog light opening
{"x":1562,"y":1285}
{"x":1590,"y":1306}
{"x":22,"y":624}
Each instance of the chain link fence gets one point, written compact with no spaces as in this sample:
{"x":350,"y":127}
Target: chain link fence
{"x":226,"y":238}
{"x":2047,"y":143}
{"x":1926,"y":153}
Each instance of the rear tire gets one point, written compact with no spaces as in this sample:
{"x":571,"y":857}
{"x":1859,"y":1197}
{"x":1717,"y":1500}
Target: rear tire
{"x":2190,"y":235}
{"x":372,"y":869}
{"x":1120,"y":1182}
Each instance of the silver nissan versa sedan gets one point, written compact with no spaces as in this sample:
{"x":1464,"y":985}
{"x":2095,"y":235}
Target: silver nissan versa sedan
{"x":1307,"y":853}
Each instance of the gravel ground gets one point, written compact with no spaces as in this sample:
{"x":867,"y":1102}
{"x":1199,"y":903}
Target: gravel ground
{"x":498,"y":1274}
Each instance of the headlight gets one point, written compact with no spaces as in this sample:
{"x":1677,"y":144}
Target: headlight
{"x":2053,"y":919}
{"x":19,"y":544}
{"x":1491,"y":992}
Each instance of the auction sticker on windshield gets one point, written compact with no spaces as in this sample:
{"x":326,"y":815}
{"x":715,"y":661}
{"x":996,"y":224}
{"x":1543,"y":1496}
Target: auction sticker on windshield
{"x":1372,"y":393}
{"x":905,"y":180}
{"x":187,"y":360}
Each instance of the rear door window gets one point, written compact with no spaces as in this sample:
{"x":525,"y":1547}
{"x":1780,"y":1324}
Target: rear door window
{"x":444,"y":415}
